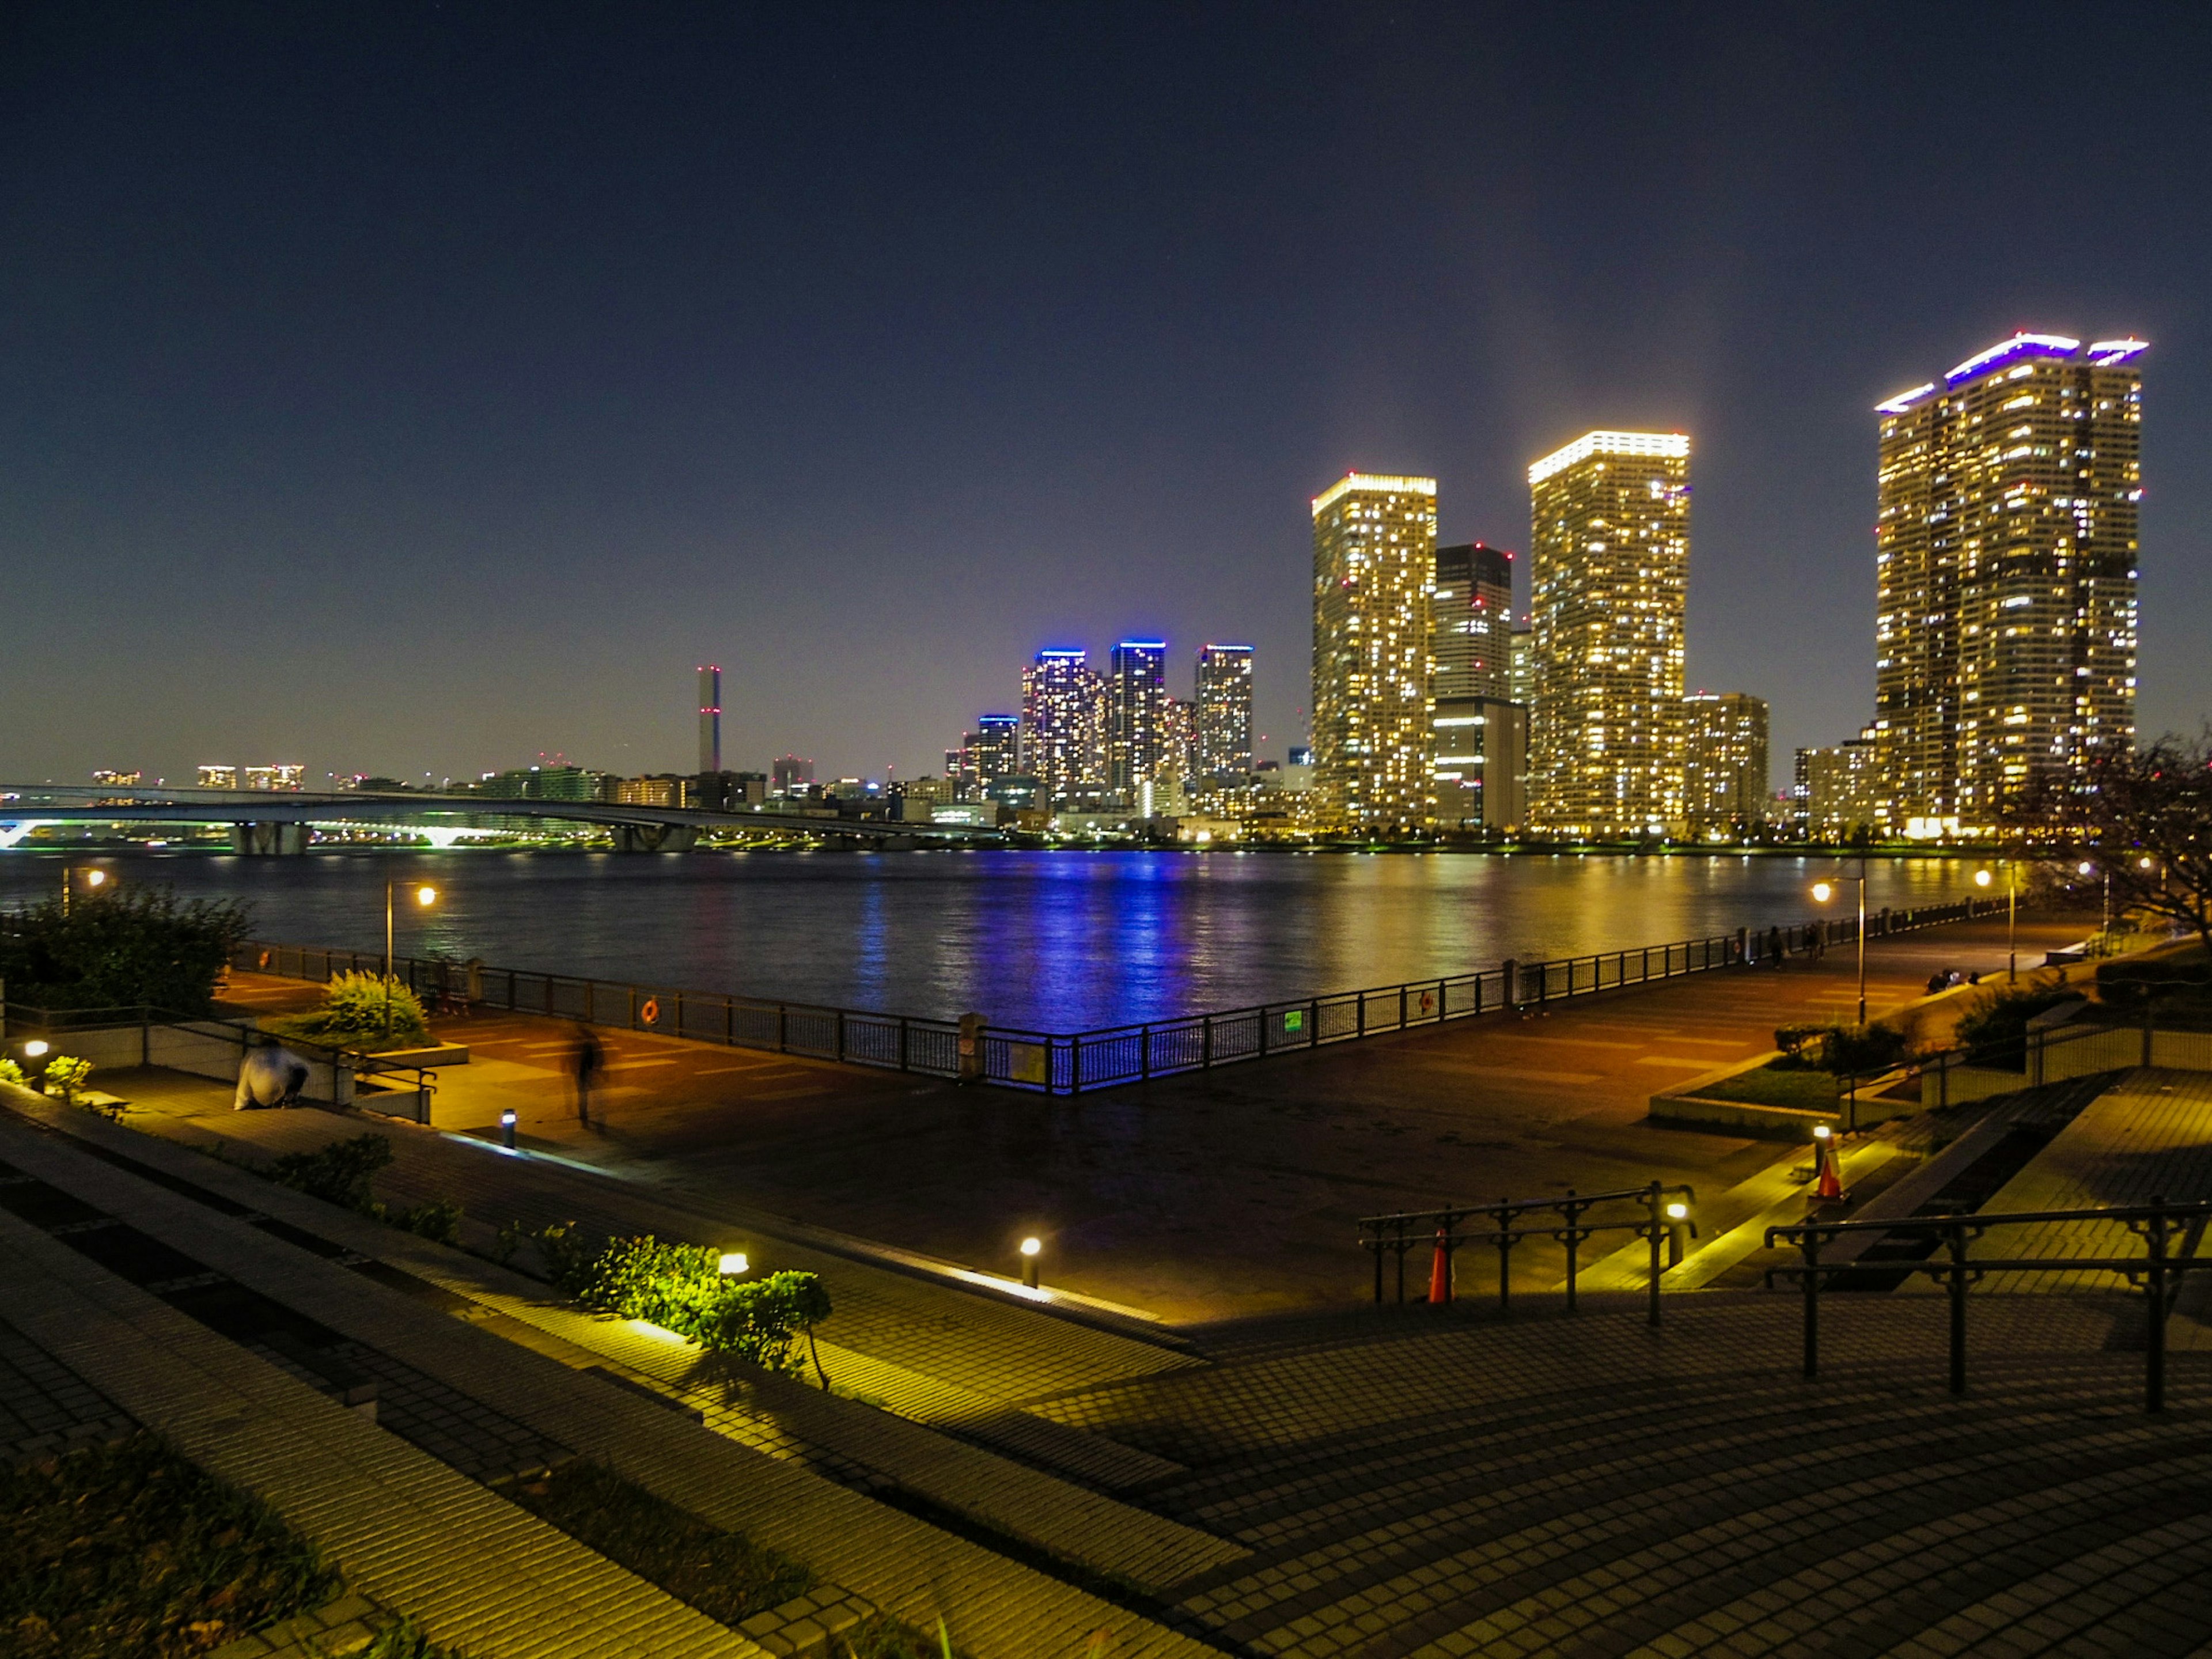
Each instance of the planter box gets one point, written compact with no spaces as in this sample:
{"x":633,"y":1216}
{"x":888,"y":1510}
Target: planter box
{"x":429,"y":1059}
{"x":1688,"y":1104}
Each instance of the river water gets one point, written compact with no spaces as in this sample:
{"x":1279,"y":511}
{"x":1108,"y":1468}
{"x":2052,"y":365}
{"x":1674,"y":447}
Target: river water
{"x":1047,"y":940}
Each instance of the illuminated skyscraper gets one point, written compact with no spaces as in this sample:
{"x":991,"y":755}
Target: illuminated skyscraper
{"x":2005,"y":561}
{"x":1520,"y":665}
{"x":1375,"y":541}
{"x":1609,"y":575}
{"x":991,"y":751}
{"x":1725,"y":761}
{"x":710,"y":721}
{"x":1471,"y":622}
{"x":1063,"y":742}
{"x":1224,"y":711}
{"x":1136,"y":707}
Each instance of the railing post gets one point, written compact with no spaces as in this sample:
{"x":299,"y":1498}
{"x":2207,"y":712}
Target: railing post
{"x":1377,"y":1244}
{"x":1574,"y":1245}
{"x":1653,"y":1200}
{"x":1810,"y":1242}
{"x":782,"y":1029}
{"x":841,"y":1034}
{"x":1313,"y":1023}
{"x":1360,"y":999}
{"x":2154,"y":1336}
{"x":1506,"y":1240}
{"x":903,"y":1042}
{"x":1205,"y":1041}
{"x":1145,"y":1052}
{"x":1440,"y":1002}
{"x":1958,"y":1239}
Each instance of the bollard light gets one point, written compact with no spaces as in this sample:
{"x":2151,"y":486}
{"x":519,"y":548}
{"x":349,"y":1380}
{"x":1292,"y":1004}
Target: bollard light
{"x":1821,"y":1132}
{"x":34,"y":1049}
{"x":732,"y":1263}
{"x":506,"y":1128}
{"x":1031,"y":1249}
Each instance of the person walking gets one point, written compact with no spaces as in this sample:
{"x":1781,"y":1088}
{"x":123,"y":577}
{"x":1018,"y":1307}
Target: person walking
{"x":586,"y":1060}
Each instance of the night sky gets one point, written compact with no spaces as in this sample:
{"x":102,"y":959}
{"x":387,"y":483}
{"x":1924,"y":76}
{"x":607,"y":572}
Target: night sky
{"x":406,"y":388}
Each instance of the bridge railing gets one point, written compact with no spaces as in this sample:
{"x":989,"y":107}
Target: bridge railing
{"x":1072,"y":1062}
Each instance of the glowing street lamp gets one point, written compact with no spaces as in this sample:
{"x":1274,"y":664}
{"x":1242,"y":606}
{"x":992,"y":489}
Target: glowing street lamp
{"x":1822,"y":892}
{"x":424,"y":896}
{"x":1982,"y":878}
{"x":94,"y":878}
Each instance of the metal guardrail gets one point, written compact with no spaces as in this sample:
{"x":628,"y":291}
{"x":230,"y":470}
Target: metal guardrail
{"x":1069,"y":1063}
{"x":1443,"y":1230}
{"x":2157,"y":1270}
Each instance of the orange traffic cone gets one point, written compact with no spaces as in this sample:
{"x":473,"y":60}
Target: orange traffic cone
{"x":1440,"y":1273}
{"x":1830,"y":1183}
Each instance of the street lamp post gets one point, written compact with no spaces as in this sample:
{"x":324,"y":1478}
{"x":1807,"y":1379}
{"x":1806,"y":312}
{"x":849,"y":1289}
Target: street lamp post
{"x":1823,"y":892}
{"x":94,"y":877}
{"x":2012,"y":914}
{"x":425,"y":895}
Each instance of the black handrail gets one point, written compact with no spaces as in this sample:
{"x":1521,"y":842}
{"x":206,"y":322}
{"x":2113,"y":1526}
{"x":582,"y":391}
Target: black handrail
{"x":1400,"y":1230}
{"x":2154,"y":1223}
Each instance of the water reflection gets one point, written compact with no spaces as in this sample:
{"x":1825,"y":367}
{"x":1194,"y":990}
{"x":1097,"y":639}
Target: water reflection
{"x":1054,"y":941}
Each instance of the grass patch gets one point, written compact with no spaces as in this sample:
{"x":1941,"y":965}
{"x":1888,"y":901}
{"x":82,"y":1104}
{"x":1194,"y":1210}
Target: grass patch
{"x":723,"y":1574}
{"x":1769,"y":1086}
{"x":128,"y":1551}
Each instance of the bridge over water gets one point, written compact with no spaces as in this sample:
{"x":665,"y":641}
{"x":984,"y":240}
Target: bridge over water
{"x":283,"y":822}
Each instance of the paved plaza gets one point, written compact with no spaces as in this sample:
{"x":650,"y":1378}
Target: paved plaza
{"x":1275,"y":1469}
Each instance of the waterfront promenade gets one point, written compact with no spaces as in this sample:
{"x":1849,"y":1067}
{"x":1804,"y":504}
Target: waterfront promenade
{"x":1202,"y":1197}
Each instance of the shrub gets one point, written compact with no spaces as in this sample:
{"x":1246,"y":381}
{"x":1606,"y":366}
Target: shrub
{"x":353,"y":1014}
{"x":11,"y":1072}
{"x":438,"y":1219}
{"x":680,"y":1287}
{"x":404,"y":1641}
{"x":122,"y":947}
{"x":338,"y":1173}
{"x":130,"y":1550}
{"x":1994,"y":1028}
{"x":1854,"y":1050}
{"x":65,"y":1075}
{"x":1794,"y":1041}
{"x":2171,"y":978}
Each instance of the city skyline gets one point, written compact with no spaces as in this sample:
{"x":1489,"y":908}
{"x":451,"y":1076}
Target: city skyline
{"x":850,"y":391}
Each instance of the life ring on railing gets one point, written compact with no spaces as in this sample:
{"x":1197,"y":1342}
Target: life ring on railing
{"x":649,"y":1011}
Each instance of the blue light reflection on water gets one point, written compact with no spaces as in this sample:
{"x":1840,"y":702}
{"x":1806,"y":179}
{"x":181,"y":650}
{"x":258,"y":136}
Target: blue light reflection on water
{"x":1055,"y":941}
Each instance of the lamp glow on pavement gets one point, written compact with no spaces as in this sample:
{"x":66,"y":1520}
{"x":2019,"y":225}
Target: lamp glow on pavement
{"x":732,"y":1262}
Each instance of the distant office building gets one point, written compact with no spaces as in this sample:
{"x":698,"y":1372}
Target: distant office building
{"x":1223,"y":739}
{"x":283,"y":778}
{"x":991,"y":751}
{"x":918,"y":800}
{"x":710,"y":720}
{"x":1063,"y":734}
{"x":790,"y":776}
{"x":1609,"y":571}
{"x":1375,"y":542}
{"x":2005,"y":569}
{"x":1482,"y":762}
{"x":661,"y":789}
{"x":1470,"y":623}
{"x":544,"y":783}
{"x":1136,"y":711}
{"x":1840,"y":791}
{"x":1520,"y":672}
{"x":218,"y":777}
{"x":1725,"y":761}
{"x":116,"y":779}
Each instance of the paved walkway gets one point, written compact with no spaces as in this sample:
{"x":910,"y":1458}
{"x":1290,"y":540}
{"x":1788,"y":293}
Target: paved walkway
{"x":1208,"y":1196}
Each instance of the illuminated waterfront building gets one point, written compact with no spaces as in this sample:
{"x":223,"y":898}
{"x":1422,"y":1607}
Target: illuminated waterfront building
{"x":1136,"y":710}
{"x":116,"y":779}
{"x":1609,"y":571}
{"x":280,"y":777}
{"x":2005,"y":568}
{"x":218,"y":777}
{"x":993,"y":750}
{"x":1839,"y":792}
{"x":1471,"y":622}
{"x":1481,"y":762}
{"x":1063,"y":732}
{"x":1223,"y":740}
{"x":1724,"y":760}
{"x":790,"y":776}
{"x":1375,"y":539}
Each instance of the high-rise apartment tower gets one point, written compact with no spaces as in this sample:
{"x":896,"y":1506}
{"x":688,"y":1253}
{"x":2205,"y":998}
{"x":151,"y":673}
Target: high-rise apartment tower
{"x":1724,"y":760}
{"x":1375,"y":541}
{"x":2005,"y":560}
{"x":1471,"y":612}
{"x":1609,"y":577}
{"x":1136,"y":712}
{"x":1224,"y":711}
{"x":1062,"y":736}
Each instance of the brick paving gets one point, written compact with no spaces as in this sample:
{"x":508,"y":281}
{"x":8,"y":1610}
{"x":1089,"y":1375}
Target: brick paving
{"x":1208,"y":1195}
{"x":46,"y":1408}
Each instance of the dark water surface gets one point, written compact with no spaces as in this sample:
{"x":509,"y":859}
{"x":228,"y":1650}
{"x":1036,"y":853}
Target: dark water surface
{"x":1057,"y":941}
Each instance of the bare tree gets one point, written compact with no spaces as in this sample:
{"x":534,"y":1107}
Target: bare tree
{"x":2143,"y":821}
